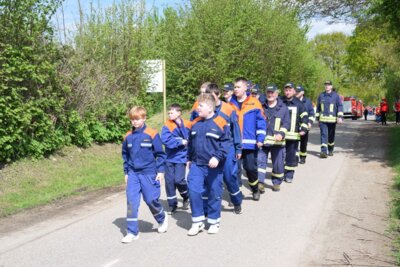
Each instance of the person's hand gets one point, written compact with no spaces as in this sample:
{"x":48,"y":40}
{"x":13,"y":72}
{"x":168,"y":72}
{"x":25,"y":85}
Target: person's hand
{"x":184,"y":142}
{"x":278,"y":137}
{"x":213,"y":163}
{"x":238,"y":156}
{"x":302,"y":133}
{"x":126,"y":179}
{"x":160,"y":177}
{"x":340,"y":120}
{"x":259,"y":144}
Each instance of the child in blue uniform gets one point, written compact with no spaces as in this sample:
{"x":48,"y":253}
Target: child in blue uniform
{"x":175,"y":135}
{"x":144,"y":158}
{"x":208,"y":147}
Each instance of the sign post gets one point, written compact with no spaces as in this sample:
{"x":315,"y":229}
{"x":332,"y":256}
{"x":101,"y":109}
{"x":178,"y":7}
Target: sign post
{"x":157,"y":81}
{"x":164,"y":90}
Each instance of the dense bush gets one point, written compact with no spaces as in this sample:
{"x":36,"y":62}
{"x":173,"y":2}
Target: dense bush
{"x":78,"y":92}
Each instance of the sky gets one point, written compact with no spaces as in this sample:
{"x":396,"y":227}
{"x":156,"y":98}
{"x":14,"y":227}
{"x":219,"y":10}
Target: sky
{"x":71,"y":16}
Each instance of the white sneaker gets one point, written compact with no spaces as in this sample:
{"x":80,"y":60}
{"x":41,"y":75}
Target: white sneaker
{"x":214,"y":228}
{"x":162,"y":228}
{"x":195,"y":229}
{"x":129,"y":238}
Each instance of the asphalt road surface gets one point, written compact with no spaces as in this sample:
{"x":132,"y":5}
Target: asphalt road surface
{"x":301,"y":225}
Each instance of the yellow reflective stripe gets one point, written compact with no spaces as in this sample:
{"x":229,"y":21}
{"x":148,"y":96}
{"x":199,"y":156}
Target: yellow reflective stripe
{"x":277,"y":124}
{"x":303,"y":153}
{"x":262,"y":170}
{"x":324,"y":145}
{"x":322,"y":107}
{"x":340,"y":113}
{"x":277,"y":175}
{"x":317,"y":114}
{"x":304,"y":125}
{"x":331,"y":144}
{"x":303,"y":114}
{"x":253,"y":183}
{"x":292,"y":136}
{"x":327,"y":118}
{"x":293,"y":118}
{"x":270,"y":140}
{"x":311,"y":119}
{"x":331,"y":107}
{"x":283,"y":130}
{"x":289,"y":168}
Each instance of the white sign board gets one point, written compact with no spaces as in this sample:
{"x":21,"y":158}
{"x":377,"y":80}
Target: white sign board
{"x":154,"y":74}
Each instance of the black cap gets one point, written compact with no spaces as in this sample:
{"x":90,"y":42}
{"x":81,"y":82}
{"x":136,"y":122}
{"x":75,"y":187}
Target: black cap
{"x":289,"y":84}
{"x":329,"y":82}
{"x":299,"y":88}
{"x":271,"y":87}
{"x":228,"y":87}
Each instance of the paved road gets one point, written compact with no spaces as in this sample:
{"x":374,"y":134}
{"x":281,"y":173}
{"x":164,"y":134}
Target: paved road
{"x":276,"y":231}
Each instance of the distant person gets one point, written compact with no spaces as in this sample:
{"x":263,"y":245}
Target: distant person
{"x":329,"y":112}
{"x":257,"y":93}
{"x":365,"y":113}
{"x":175,"y":135}
{"x":202,"y":90}
{"x":384,"y":110}
{"x":228,"y":92}
{"x":143,"y":160}
{"x":396,"y":108}
{"x":311,"y":118}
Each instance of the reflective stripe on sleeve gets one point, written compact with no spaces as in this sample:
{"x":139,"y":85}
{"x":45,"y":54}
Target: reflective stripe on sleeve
{"x":249,"y":141}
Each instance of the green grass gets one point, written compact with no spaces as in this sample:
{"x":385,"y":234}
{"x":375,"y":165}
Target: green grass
{"x":71,"y":171}
{"x":394,"y":156}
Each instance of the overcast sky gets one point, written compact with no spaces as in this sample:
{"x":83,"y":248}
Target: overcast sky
{"x":71,"y":16}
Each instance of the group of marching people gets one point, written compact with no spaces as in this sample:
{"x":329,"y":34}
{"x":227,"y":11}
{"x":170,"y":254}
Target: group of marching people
{"x":221,"y":139}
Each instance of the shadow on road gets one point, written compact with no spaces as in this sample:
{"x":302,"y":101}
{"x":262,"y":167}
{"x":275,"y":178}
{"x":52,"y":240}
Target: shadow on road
{"x":351,"y":137}
{"x":144,"y":227}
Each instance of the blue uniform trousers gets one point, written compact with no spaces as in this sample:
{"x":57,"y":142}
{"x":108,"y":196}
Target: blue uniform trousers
{"x":231,"y":179}
{"x":290,"y":158}
{"x":303,"y":145}
{"x":278,"y":163}
{"x":175,"y":179}
{"x":137,"y":185}
{"x":327,"y":136}
{"x":249,"y":163}
{"x":205,"y":183}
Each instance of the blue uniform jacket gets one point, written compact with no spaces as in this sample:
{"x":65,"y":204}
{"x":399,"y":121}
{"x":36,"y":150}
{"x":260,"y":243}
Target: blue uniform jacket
{"x":172,"y":136}
{"x":252,"y":121}
{"x":209,"y":138}
{"x":142,"y":151}
{"x":227,"y":112}
{"x":309,"y":108}
{"x":298,"y":118}
{"x":329,"y":107}
{"x":278,"y":120}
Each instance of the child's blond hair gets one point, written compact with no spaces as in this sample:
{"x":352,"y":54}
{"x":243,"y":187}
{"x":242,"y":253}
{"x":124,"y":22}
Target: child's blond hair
{"x":136,"y":113}
{"x":208,"y":99}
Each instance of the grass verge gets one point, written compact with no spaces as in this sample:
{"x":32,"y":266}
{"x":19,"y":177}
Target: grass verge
{"x":394,"y":156}
{"x":71,"y":171}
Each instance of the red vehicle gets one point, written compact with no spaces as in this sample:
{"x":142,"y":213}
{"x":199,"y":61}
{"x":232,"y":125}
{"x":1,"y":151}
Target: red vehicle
{"x":352,"y":107}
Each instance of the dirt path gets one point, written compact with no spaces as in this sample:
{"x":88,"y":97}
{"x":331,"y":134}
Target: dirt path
{"x":352,"y":228}
{"x":334,"y":214}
